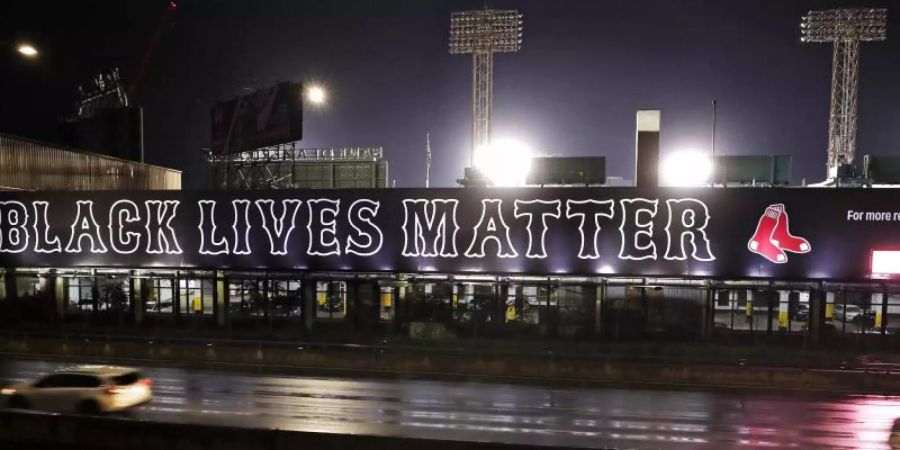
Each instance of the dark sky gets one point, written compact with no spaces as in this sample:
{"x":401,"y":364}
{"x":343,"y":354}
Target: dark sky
{"x":584,"y":68}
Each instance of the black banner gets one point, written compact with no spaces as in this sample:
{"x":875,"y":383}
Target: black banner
{"x":765,"y":233}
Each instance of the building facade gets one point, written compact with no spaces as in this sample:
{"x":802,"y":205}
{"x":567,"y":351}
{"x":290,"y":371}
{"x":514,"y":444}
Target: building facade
{"x":34,"y":166}
{"x":566,"y":263}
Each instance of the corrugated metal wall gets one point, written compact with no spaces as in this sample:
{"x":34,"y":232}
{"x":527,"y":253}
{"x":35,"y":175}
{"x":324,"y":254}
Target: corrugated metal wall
{"x":34,"y":166}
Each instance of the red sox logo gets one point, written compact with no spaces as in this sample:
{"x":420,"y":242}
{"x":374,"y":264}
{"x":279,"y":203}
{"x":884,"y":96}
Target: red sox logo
{"x":773,"y":238}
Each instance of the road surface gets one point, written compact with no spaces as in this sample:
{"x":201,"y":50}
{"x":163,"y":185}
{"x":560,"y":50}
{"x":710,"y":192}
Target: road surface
{"x":583,"y":417}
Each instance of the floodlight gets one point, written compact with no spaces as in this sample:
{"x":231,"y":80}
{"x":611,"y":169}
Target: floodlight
{"x":686,"y":168}
{"x":505,"y":162}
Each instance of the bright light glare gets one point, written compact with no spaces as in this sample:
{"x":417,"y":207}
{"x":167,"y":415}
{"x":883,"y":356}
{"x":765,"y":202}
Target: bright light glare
{"x":686,"y":168}
{"x":504,"y":162}
{"x":886,"y":262}
{"x":27,"y":50}
{"x":316,"y":95}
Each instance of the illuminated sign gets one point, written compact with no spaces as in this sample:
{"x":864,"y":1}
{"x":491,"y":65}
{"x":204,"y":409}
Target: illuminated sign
{"x":589,"y":231}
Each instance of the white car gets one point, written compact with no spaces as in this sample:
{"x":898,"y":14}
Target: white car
{"x":850,"y":314}
{"x":83,"y":389}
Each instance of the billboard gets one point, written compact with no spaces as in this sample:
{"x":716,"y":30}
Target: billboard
{"x":702,"y":232}
{"x":117,"y":132}
{"x":265,"y":117}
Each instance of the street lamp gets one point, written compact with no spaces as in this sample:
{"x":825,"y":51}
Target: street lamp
{"x":316,"y":95}
{"x":27,"y":50}
{"x":686,"y":168}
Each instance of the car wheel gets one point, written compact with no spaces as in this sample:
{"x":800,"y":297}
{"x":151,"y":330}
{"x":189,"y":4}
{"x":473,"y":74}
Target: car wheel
{"x":18,"y":402}
{"x":88,"y":407}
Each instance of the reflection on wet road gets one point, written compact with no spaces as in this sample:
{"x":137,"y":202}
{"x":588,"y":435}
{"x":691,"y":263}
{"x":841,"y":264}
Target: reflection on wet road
{"x":586,"y":417}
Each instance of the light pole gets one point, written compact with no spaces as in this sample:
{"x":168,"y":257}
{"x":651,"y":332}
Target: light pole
{"x":844,"y":29}
{"x":482,"y":33}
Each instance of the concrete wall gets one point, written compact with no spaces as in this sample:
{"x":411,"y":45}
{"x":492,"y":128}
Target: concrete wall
{"x":536,"y":368}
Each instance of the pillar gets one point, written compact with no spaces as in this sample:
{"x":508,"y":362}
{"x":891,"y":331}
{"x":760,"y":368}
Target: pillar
{"x":501,"y":293}
{"x":829,"y":305}
{"x":220,"y":298}
{"x":137,"y":296}
{"x":351,"y":310}
{"x":589,"y":300}
{"x":708,"y":318}
{"x":400,"y":307}
{"x":646,"y":152}
{"x":783,"y":308}
{"x":56,"y":291}
{"x":95,"y":292}
{"x":748,"y":311}
{"x":308,"y":298}
{"x":600,"y":313}
{"x":881,"y":318}
{"x":816,"y":316}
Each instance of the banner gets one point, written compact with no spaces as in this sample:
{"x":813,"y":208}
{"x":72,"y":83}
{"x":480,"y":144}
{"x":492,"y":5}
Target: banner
{"x":704,"y":232}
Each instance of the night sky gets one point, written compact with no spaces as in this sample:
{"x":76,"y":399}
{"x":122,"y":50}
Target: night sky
{"x":584,"y":68}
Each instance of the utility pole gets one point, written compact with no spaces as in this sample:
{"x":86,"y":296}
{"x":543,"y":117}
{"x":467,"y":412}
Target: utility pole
{"x":427,"y":159}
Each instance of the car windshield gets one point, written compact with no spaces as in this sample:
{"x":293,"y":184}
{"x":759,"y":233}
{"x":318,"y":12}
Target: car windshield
{"x":852,"y":308}
{"x":127,"y":378}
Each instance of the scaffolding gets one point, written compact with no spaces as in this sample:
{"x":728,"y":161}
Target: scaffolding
{"x":289,"y":166}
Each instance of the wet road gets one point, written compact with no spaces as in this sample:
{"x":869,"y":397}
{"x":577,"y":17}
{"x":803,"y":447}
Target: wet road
{"x":585,"y":417}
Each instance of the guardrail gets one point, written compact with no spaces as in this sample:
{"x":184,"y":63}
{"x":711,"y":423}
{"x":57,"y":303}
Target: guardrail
{"x":696,"y":354}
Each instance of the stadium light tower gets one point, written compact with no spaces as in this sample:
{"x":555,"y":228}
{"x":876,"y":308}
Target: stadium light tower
{"x":482,"y":33}
{"x":845,"y":28}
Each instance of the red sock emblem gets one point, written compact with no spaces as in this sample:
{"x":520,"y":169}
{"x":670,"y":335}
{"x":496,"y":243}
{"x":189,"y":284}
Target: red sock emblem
{"x":773,"y":237}
{"x":783,"y":238}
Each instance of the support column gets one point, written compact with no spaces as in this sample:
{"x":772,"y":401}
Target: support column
{"x":220,"y":298}
{"x":748,"y":311}
{"x":708,"y":312}
{"x":589,"y":300}
{"x":95,"y":293}
{"x":176,"y":297}
{"x":138,"y":296}
{"x":308,"y":298}
{"x":501,"y":293}
{"x":56,"y":291}
{"x":829,"y":305}
{"x":881,"y":319}
{"x":351,"y":311}
{"x":454,"y":301}
{"x":816,"y":316}
{"x":600,"y":316}
{"x":783,"y":308}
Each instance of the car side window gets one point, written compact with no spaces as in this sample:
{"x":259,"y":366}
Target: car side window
{"x":49,"y":381}
{"x":82,"y":381}
{"x":68,"y":381}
